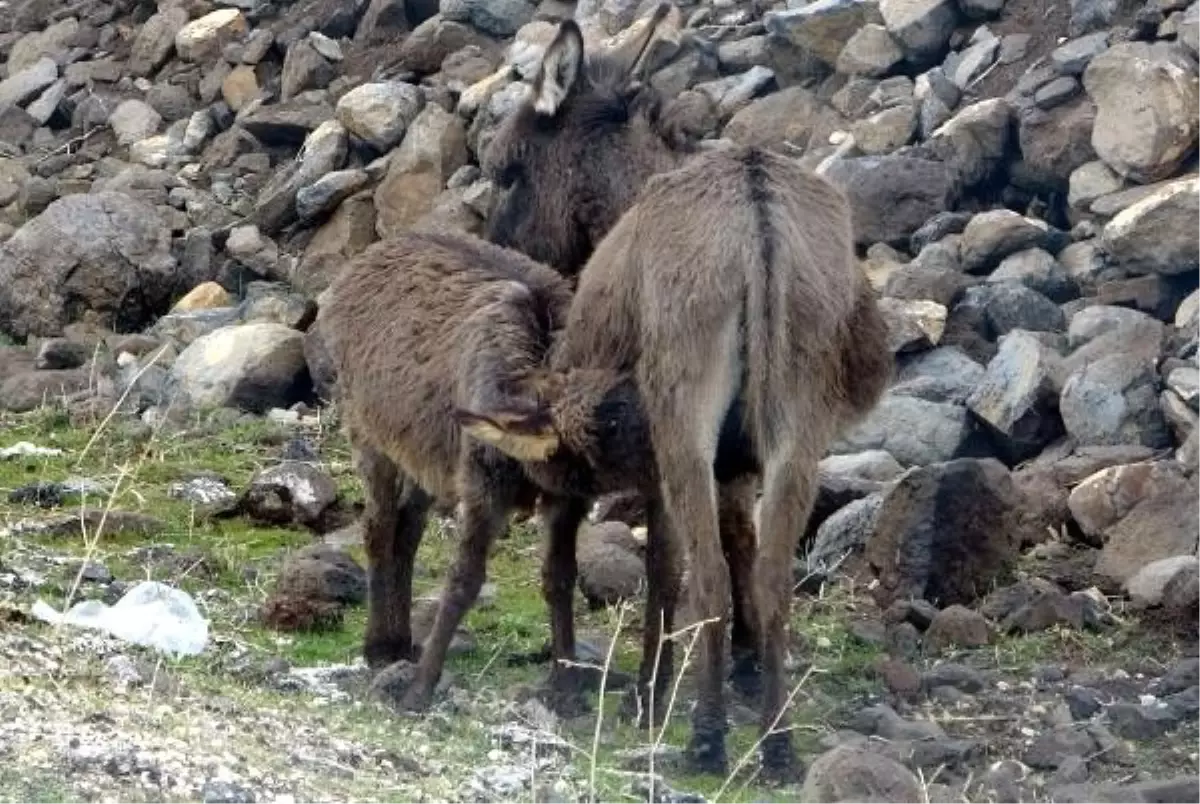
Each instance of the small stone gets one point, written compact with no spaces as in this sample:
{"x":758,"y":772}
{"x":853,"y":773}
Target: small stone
{"x":1057,"y":92}
{"x":1141,"y":722}
{"x":1083,"y":702}
{"x":205,"y":296}
{"x":957,"y":625}
{"x":950,"y":674}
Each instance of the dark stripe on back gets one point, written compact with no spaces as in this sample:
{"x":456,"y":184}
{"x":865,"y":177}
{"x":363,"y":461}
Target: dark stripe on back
{"x":759,"y":191}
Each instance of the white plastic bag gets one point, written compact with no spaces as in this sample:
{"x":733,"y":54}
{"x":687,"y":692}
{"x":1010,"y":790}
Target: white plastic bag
{"x":151,"y":614}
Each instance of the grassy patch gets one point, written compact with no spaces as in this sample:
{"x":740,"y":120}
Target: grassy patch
{"x":239,"y":559}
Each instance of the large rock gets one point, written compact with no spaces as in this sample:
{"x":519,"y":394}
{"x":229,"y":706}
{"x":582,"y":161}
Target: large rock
{"x":134,"y":120}
{"x":1055,"y":142}
{"x":945,"y":533}
{"x":1018,"y":397}
{"x":1047,"y":481}
{"x":1114,"y":400}
{"x":871,"y":52}
{"x":853,"y":773}
{"x":380,"y":113}
{"x":1103,"y":330}
{"x":313,"y":588}
{"x":202,"y":39}
{"x":288,"y":123}
{"x":975,"y":140}
{"x":822,"y":28}
{"x":494,"y":17}
{"x":290,"y":492}
{"x":1147,"y":112}
{"x":1156,"y":234}
{"x":793,"y":115}
{"x":429,"y":44}
{"x":304,"y":68}
{"x":945,"y":375}
{"x":251,"y":366}
{"x":912,"y":326}
{"x":27,"y":390}
{"x":913,"y":430}
{"x":1162,"y":525}
{"x":1038,"y":270}
{"x":348,"y":231}
{"x":922,"y":27}
{"x":324,"y":151}
{"x":155,"y":40}
{"x":1148,"y":585}
{"x":25,"y":85}
{"x":53,"y":41}
{"x":991,"y":236}
{"x":434,"y":147}
{"x":106,"y":253}
{"x":842,"y":534}
{"x":1103,"y":499}
{"x":1182,"y":788}
{"x":892,"y":196}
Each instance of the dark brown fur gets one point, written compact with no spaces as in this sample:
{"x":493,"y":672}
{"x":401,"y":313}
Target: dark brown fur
{"x":731,"y":293}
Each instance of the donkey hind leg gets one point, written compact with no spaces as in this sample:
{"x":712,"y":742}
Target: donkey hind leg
{"x":393,"y":522}
{"x":484,"y":508}
{"x":788,"y":492}
{"x":566,"y":683}
{"x":735,"y":503}
{"x":648,"y":700}
{"x":687,"y":396}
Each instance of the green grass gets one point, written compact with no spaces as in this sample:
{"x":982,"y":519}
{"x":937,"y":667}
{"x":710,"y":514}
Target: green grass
{"x":142,"y":463}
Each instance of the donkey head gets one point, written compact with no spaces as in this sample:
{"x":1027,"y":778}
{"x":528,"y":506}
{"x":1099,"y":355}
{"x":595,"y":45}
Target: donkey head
{"x":589,"y":420}
{"x":573,"y":155}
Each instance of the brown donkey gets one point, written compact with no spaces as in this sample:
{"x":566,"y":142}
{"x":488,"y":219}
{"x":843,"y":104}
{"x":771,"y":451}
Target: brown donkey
{"x":424,"y":330}
{"x":730,"y":291}
{"x":569,"y":161}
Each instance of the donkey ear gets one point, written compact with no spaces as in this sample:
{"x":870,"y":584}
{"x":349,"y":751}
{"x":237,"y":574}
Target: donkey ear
{"x":656,"y":21}
{"x":562,"y":68}
{"x":524,"y":436}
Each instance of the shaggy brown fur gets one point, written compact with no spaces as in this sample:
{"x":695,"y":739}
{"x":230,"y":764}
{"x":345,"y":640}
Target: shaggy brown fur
{"x":425,"y":328}
{"x":731,"y":293}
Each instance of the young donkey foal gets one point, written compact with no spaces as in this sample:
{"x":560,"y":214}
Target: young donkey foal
{"x":424,"y":328}
{"x":730,"y":291}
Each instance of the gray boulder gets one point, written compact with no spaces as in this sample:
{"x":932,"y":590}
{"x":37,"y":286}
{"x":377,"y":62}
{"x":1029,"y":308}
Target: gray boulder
{"x":105,"y":253}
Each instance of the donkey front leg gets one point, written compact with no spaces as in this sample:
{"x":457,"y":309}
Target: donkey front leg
{"x":485,"y":508}
{"x":393,"y":521}
{"x":563,"y":517}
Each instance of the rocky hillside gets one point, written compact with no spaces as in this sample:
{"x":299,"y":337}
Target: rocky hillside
{"x":998,"y":594}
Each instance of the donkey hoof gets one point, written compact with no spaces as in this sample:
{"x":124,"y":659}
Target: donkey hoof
{"x":415,"y":701}
{"x":706,"y":754}
{"x":779,"y":764}
{"x":380,"y":653}
{"x":635,"y":707}
{"x":566,"y":703}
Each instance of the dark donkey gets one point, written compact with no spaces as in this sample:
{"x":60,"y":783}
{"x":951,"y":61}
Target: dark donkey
{"x":730,"y":291}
